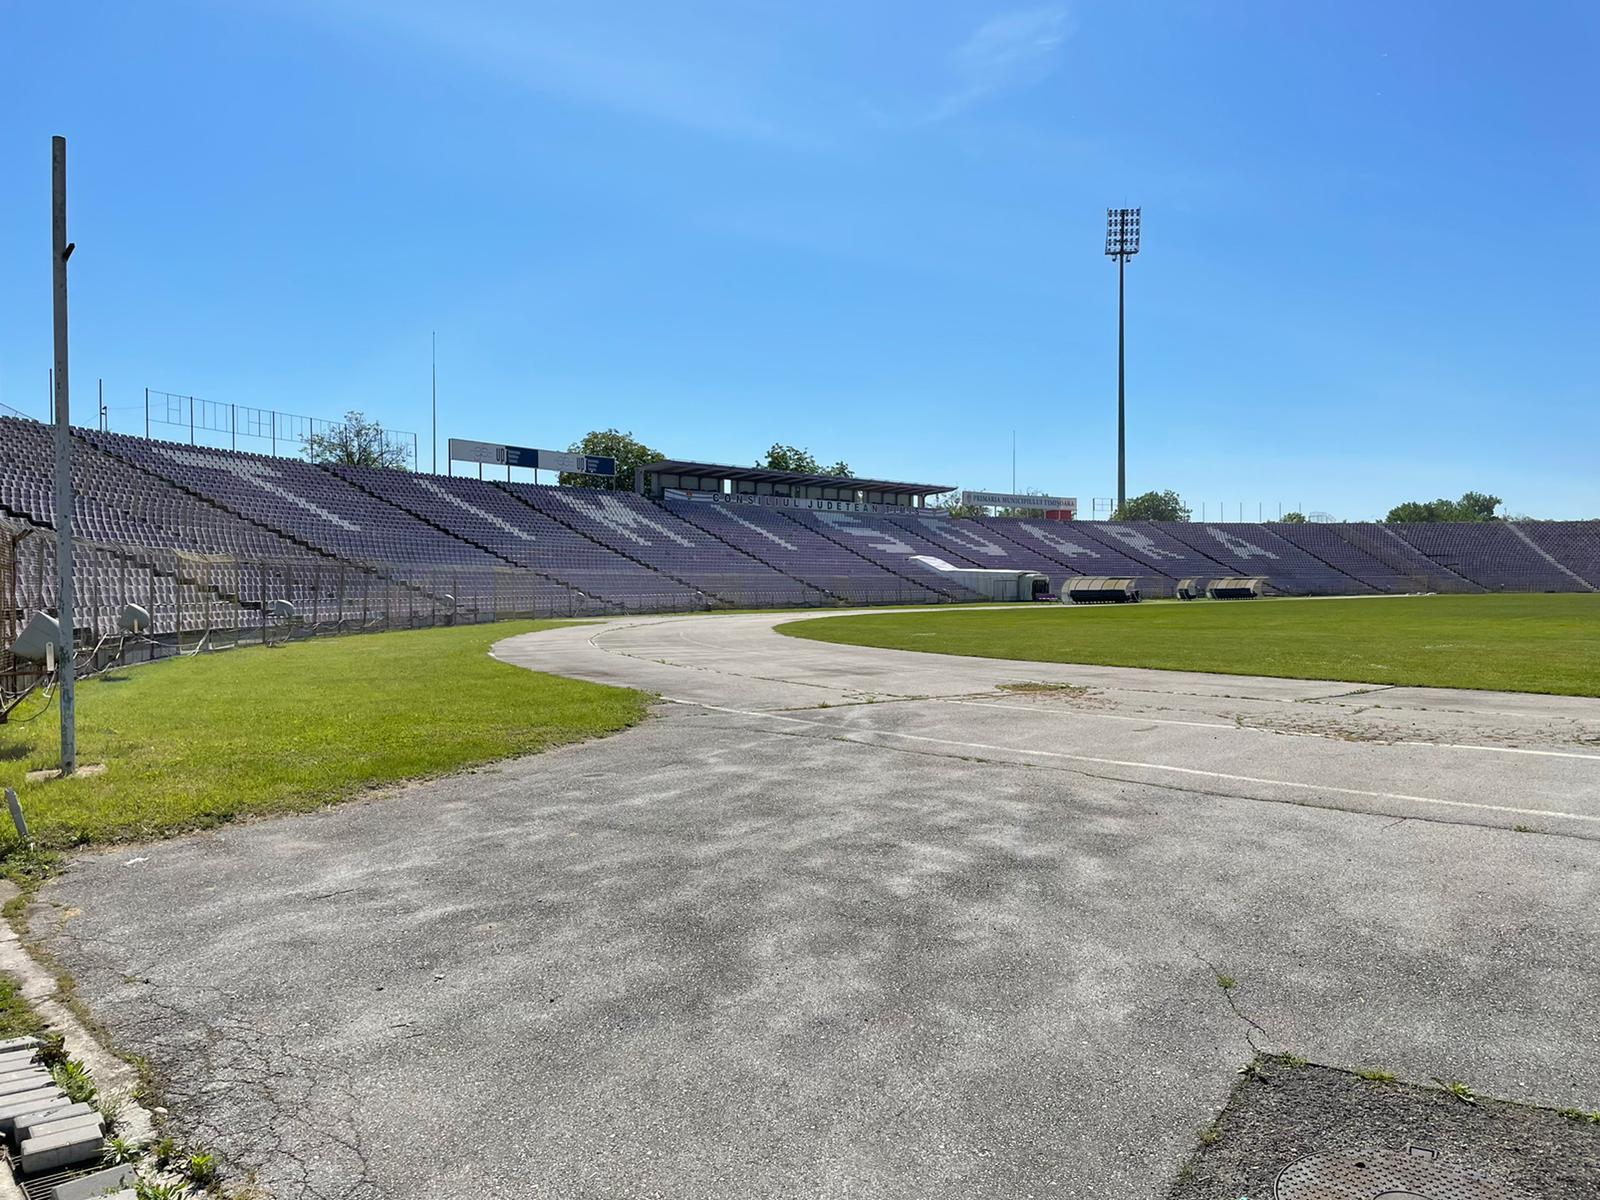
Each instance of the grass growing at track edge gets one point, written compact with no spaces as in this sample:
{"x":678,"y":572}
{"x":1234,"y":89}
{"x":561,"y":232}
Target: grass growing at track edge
{"x":191,"y":743}
{"x":1522,"y":643}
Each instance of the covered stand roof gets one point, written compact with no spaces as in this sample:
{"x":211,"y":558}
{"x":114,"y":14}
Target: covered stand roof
{"x":794,"y":478}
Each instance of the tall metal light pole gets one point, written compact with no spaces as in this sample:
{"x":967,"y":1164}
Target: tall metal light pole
{"x":435,"y":361}
{"x":1122,"y":243}
{"x":60,"y":251}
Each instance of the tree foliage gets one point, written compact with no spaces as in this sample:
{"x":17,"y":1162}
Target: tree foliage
{"x":1153,"y":506}
{"x":355,"y":442}
{"x":628,"y":450}
{"x":1294,"y":518}
{"x":1473,"y":506}
{"x":793,"y":458}
{"x":950,"y":504}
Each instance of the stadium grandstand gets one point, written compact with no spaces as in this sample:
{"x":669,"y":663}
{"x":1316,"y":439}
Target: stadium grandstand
{"x":208,"y":540}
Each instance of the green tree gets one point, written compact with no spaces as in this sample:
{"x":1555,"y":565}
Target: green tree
{"x":628,"y":450}
{"x":1473,"y":506}
{"x":793,"y":458}
{"x":1153,"y":506}
{"x":356,"y":442}
{"x":1477,"y":506}
{"x":1294,"y":518}
{"x":950,"y":504}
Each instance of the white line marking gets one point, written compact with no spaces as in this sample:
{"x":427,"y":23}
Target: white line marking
{"x":1143,"y":766}
{"x":1262,"y":729}
{"x":1102,"y":716}
{"x":1501,"y":749}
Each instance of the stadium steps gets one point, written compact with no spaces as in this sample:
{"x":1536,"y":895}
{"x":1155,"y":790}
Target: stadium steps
{"x":1154,"y":565}
{"x":1357,"y":586}
{"x":586,"y":536}
{"x":712,"y":533}
{"x":1362,"y":585}
{"x":287,"y":535}
{"x":1374,"y":547}
{"x":921,"y":583}
{"x":995,"y":530}
{"x":126,"y":552}
{"x":461,"y":537}
{"x":1582,"y":583}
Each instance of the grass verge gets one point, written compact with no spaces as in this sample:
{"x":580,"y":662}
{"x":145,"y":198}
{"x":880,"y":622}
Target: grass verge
{"x":17,"y":1018}
{"x":1533,"y":643}
{"x":192,"y":743}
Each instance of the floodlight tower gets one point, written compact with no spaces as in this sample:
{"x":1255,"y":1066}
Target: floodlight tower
{"x":1122,"y":243}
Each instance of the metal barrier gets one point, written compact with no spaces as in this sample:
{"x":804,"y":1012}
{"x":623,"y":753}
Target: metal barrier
{"x":205,"y":602}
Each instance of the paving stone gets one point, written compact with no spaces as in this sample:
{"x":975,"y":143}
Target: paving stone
{"x":10,"y":1045}
{"x":37,"y":1124}
{"x":92,"y":1187}
{"x":15,"y":1062}
{"x":29,"y":1102}
{"x":31,"y":1082}
{"x":22,"y":1073}
{"x":80,"y":1126}
{"x":60,"y":1150}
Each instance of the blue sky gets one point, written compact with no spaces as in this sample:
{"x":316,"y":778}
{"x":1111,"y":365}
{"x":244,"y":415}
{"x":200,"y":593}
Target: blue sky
{"x":873,"y":229}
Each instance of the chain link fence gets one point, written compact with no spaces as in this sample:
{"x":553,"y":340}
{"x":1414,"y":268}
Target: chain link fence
{"x":135,"y":604}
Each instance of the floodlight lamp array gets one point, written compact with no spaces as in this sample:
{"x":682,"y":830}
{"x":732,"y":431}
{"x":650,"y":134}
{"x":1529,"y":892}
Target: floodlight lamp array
{"x":1122,"y":232}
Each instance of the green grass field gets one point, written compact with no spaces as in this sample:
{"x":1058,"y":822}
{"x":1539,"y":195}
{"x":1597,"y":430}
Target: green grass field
{"x":1507,"y":643}
{"x":194,"y":742}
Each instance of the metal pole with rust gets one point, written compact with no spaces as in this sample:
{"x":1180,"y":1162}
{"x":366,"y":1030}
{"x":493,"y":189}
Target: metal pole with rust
{"x":60,"y":251}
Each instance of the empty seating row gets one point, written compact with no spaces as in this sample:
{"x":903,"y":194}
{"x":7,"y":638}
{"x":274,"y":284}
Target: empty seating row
{"x":206,"y":535}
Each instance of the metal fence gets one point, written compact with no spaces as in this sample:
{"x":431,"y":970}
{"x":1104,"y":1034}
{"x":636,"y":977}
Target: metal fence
{"x":259,"y":429}
{"x":191,"y":602}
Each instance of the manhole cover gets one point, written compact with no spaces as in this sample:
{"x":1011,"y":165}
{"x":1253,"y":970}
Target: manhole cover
{"x":1414,"y":1174}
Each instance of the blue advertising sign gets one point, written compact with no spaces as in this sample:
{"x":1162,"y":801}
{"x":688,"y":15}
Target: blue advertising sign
{"x":462,"y":450}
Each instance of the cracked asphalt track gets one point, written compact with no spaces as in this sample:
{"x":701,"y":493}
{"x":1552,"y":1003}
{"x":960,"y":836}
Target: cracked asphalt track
{"x":954,"y":946}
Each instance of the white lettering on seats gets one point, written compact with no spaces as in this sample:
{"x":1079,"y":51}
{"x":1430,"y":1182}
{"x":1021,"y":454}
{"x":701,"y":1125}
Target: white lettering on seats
{"x":1139,"y":541}
{"x":1240,"y":547}
{"x":750,"y":525}
{"x":481,"y":514}
{"x":258,"y":473}
{"x":1065,"y":545}
{"x":616,"y":515}
{"x":966,"y":538}
{"x":848,"y":524}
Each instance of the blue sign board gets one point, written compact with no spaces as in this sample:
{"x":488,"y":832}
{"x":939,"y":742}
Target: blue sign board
{"x":462,"y":450}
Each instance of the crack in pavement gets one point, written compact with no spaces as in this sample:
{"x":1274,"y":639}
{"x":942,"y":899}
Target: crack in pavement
{"x":270,"y":1110}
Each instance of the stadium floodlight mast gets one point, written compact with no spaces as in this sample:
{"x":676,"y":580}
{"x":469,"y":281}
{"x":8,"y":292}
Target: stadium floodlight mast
{"x":1122,"y":243}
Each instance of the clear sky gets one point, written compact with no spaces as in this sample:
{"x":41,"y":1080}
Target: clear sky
{"x":873,"y":229}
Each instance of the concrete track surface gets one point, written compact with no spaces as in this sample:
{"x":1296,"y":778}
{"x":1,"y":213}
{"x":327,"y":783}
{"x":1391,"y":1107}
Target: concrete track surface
{"x":855,"y":922}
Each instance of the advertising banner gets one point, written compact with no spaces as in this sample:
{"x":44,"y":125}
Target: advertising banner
{"x":467,"y":450}
{"x":804,"y":502}
{"x":1017,"y":500}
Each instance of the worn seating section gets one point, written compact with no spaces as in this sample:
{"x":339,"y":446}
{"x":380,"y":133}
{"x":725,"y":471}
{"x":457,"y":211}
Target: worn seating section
{"x":1257,"y":550}
{"x":649,"y":534}
{"x":840,"y":572}
{"x":877,"y":537}
{"x":187,"y":529}
{"x":1488,"y":553}
{"x":1573,"y":544}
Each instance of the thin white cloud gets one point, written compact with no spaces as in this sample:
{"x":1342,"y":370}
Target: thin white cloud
{"x":709,"y":83}
{"x":1008,"y":51}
